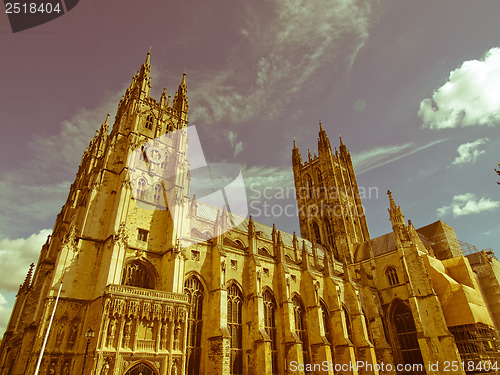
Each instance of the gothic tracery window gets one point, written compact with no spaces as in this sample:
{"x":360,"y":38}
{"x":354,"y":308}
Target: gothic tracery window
{"x":149,"y":122}
{"x":141,"y":188}
{"x":136,"y":274}
{"x":310,"y":191}
{"x":347,"y":323}
{"x":406,"y":334}
{"x":326,"y":324}
{"x":321,"y":187}
{"x":300,"y":326}
{"x":157,"y":194}
{"x":235,"y":326}
{"x":270,"y":327}
{"x":194,"y":290}
{"x":392,"y":276}
{"x":329,"y":232}
{"x":317,"y":234}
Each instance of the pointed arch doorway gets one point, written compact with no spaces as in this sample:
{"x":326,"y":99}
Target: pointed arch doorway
{"x":141,"y":369}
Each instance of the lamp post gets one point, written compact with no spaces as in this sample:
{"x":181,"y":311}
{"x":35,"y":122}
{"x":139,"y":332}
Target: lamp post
{"x":88,"y":335}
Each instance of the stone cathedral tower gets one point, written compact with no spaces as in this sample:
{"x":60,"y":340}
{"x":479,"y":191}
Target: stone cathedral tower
{"x":114,"y":233}
{"x":329,"y":204}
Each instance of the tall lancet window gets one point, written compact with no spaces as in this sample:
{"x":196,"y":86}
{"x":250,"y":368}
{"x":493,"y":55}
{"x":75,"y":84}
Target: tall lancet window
{"x":235,"y":326}
{"x":329,"y":232}
{"x":406,"y":334}
{"x":321,"y":187}
{"x":141,"y":188}
{"x":326,"y":325}
{"x":149,"y":122}
{"x":347,"y":323}
{"x":194,"y":290}
{"x":157,"y":195}
{"x":310,"y":189}
{"x":270,"y":327}
{"x":300,"y":326}
{"x":317,"y":234}
{"x":392,"y":276}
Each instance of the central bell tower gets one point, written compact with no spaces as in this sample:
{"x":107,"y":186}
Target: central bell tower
{"x":330,"y":209}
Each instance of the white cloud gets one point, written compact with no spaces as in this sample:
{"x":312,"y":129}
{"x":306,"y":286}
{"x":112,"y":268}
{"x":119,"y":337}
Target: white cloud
{"x":469,"y":152}
{"x":238,"y":146}
{"x":5,"y":311}
{"x":471,"y":96}
{"x":72,"y":138}
{"x":33,"y":205}
{"x":295,"y":40}
{"x":16,"y":256}
{"x":466,"y":204}
{"x":376,"y":157}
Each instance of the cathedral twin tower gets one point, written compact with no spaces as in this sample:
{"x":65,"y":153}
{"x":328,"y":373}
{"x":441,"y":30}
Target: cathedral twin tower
{"x":172,"y":285}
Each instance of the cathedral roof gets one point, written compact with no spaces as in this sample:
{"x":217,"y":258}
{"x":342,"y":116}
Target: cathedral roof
{"x":380,"y":245}
{"x":208,"y":212}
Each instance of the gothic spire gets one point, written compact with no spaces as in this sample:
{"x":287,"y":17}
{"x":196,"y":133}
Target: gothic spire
{"x":141,"y":83}
{"x":396,"y":217}
{"x":181,"y":99}
{"x":323,"y":141}
{"x":296,"y":157}
{"x":163,"y":98}
{"x":342,"y":148}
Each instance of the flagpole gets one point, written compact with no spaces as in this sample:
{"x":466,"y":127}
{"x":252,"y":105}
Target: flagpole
{"x":48,"y":331}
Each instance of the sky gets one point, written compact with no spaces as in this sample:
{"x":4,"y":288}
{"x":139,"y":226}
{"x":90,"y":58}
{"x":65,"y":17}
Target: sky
{"x":413,"y":87}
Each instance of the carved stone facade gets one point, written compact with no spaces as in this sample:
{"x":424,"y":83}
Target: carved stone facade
{"x":204,"y":297}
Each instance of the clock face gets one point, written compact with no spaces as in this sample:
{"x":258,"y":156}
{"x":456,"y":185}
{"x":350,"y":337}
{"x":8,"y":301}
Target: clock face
{"x":155,"y":156}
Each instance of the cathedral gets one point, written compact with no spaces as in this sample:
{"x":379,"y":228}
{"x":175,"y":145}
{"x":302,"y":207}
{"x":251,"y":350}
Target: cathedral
{"x":139,"y":277}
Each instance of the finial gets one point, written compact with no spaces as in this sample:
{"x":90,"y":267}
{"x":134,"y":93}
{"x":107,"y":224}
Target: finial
{"x":106,"y":121}
{"x":294,"y":145}
{"x":391,"y":200}
{"x":340,"y":136}
{"x":184,"y":77}
{"x":149,"y":49}
{"x":320,"y":126}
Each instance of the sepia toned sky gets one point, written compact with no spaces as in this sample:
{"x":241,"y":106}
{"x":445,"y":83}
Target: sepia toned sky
{"x":413,"y":87}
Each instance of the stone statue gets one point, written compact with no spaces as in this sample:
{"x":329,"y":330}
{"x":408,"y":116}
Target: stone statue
{"x":177,"y":338}
{"x":105,"y":368}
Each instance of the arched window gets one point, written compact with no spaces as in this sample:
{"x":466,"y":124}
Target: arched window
{"x":329,"y":232}
{"x":406,"y":334}
{"x":327,"y":326}
{"x":140,"y":369}
{"x":368,"y":327}
{"x":235,"y":326}
{"x":141,"y":188}
{"x":392,"y":276}
{"x":310,"y":189}
{"x":194,"y":290}
{"x":300,"y":326}
{"x":317,"y":234}
{"x":270,"y":327}
{"x":149,"y":122}
{"x":157,"y":194}
{"x":137,"y":274}
{"x":321,"y":187}
{"x":347,"y":323}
